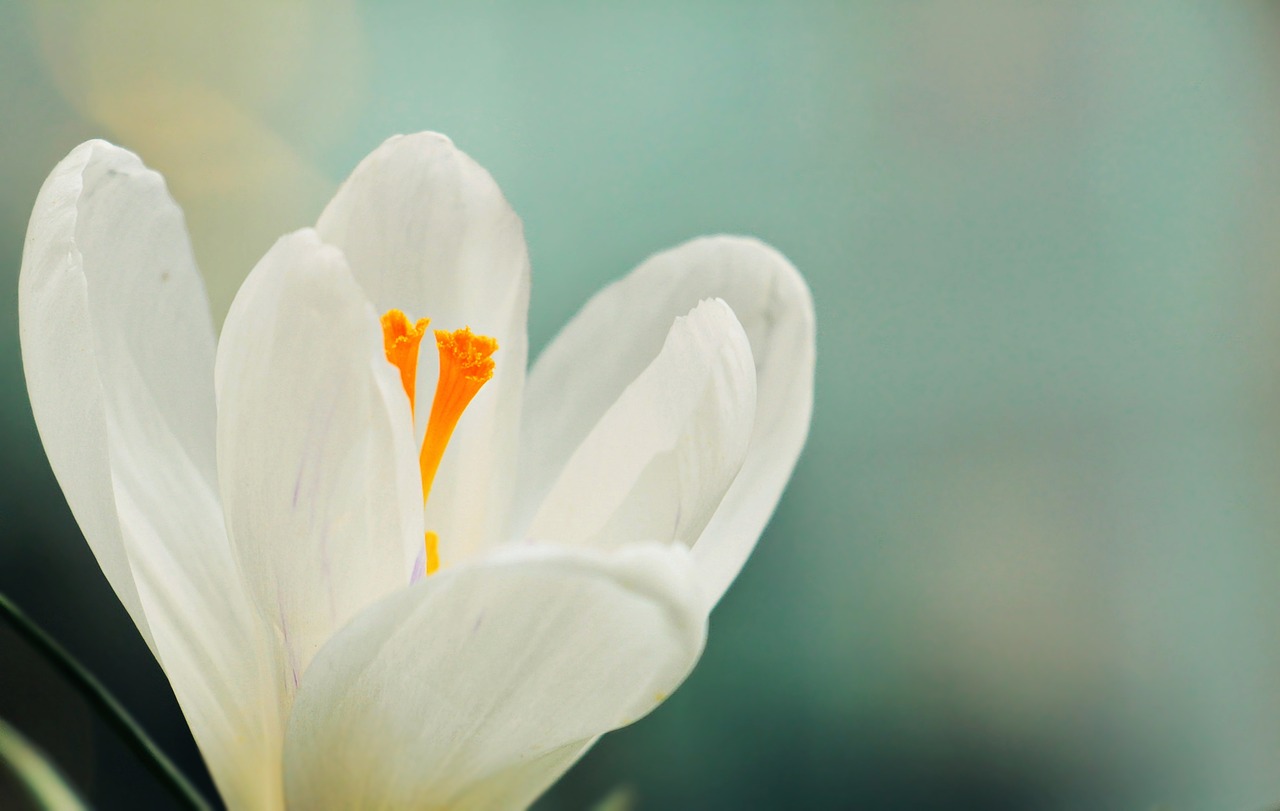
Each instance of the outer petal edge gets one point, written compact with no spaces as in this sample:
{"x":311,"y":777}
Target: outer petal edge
{"x":118,"y":348}
{"x":616,"y":334}
{"x":477,"y":687}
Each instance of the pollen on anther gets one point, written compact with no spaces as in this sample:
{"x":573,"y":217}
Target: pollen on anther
{"x":471,"y":354}
{"x":401,"y":340}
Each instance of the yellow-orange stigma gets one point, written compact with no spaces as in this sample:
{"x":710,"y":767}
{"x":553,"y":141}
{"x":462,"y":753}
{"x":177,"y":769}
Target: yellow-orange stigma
{"x":401,"y":340}
{"x":466,"y":364}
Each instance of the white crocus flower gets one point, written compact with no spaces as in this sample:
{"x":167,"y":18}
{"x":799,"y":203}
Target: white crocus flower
{"x":258,"y":503}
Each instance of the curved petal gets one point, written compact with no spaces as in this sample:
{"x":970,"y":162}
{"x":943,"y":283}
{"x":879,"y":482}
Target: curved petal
{"x":117,"y":345}
{"x":621,"y":329}
{"x":479,"y":686}
{"x":426,"y":230}
{"x":657,"y":464}
{"x":315,"y":449}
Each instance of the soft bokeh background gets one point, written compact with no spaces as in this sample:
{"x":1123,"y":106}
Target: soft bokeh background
{"x":1031,"y":556}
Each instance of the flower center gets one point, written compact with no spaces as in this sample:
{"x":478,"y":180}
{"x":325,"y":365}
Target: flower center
{"x":466,"y":364}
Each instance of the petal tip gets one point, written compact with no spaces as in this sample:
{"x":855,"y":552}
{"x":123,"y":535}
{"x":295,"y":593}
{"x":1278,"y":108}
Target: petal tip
{"x":426,"y":140}
{"x":743,"y":248}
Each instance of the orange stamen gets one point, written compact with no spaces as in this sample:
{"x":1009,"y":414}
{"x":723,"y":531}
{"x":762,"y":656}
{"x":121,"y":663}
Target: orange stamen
{"x":466,"y":364}
{"x":401,"y":340}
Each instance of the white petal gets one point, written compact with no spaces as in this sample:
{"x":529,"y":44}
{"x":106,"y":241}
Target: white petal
{"x":426,"y":230}
{"x":479,"y":686}
{"x":656,"y":465}
{"x":316,"y":457}
{"x":117,"y":346}
{"x":621,"y":329}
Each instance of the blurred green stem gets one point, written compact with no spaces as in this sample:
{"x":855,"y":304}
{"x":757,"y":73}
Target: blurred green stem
{"x":46,"y":787}
{"x":106,"y":705}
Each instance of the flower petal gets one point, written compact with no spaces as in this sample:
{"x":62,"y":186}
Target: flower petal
{"x":657,"y":464}
{"x":619,"y":332}
{"x":479,"y":686}
{"x":117,"y":345}
{"x":315,"y":449}
{"x":426,"y":230}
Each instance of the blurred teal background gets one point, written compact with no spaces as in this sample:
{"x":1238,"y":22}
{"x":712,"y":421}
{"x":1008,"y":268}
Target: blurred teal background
{"x":1031,"y":556}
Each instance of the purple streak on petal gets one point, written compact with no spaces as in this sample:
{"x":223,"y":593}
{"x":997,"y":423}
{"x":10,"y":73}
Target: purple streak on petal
{"x":288,"y":644}
{"x":419,"y":566}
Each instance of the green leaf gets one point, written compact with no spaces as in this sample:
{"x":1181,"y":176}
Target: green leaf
{"x":44,"y":783}
{"x":622,"y":798}
{"x":105,"y":704}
